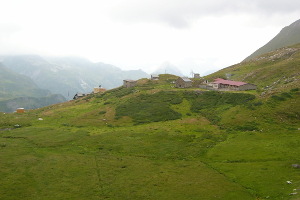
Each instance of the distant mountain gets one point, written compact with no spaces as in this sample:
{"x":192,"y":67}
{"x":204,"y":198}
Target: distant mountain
{"x":69,"y":75}
{"x":288,"y":36}
{"x":18,"y":90}
{"x":30,"y":102}
{"x":14,"y":85}
{"x":168,"y":68}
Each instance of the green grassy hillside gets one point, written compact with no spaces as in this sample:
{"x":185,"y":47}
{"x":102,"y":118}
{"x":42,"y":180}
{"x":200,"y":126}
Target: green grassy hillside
{"x":154,"y":141}
{"x":274,"y":72}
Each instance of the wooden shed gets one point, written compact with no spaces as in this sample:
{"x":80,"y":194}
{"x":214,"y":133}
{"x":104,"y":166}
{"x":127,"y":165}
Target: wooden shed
{"x":183,"y":82}
{"x":20,"y":110}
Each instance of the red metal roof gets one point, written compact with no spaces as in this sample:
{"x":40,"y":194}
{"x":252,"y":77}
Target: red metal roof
{"x":229,"y":82}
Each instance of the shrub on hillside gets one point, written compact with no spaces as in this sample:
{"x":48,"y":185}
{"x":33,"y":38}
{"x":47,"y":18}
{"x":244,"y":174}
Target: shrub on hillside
{"x":150,"y":108}
{"x":118,"y":92}
{"x":213,"y":99}
{"x":249,"y":126}
{"x":212,"y":103}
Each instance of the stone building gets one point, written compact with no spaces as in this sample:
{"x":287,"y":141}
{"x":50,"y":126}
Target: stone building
{"x":183,"y":82}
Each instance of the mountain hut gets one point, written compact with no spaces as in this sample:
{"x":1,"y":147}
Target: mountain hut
{"x":20,"y":110}
{"x":129,"y":83}
{"x":221,"y":84}
{"x":183,"y":82}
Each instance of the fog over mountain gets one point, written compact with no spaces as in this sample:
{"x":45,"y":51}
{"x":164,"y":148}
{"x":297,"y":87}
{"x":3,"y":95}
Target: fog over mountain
{"x":168,"y":68}
{"x":17,"y":90}
{"x":69,"y":75}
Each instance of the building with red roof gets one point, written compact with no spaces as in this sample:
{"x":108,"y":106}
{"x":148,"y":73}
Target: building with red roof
{"x":222,"y":84}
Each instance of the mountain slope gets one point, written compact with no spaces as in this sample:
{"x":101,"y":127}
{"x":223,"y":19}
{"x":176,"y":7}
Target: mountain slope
{"x":30,"y":102}
{"x":69,"y":75}
{"x":17,"y":90}
{"x":288,"y":36}
{"x":15,"y":85}
{"x":276,"y":71}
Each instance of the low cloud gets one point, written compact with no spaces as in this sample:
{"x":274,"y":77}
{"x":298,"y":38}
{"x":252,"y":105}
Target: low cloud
{"x":7,"y":30}
{"x":180,"y":14}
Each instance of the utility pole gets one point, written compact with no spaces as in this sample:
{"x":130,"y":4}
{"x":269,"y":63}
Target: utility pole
{"x":192,"y":73}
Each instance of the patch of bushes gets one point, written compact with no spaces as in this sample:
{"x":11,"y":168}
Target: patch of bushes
{"x":285,"y":95}
{"x":150,"y":108}
{"x":282,"y":97}
{"x":252,"y":106}
{"x":295,"y":90}
{"x":102,"y":112}
{"x":212,"y":103}
{"x":211,"y":115}
{"x":277,"y":98}
{"x":213,"y":99}
{"x":249,"y":126}
{"x":117,"y":92}
{"x":258,"y":103}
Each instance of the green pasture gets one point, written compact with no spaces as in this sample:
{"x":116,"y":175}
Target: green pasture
{"x":149,"y":143}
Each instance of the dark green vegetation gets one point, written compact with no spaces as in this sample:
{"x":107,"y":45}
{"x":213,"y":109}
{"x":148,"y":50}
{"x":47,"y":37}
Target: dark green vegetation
{"x":150,"y":107}
{"x":288,"y":36}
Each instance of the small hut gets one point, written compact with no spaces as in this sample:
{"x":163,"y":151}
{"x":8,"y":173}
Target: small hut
{"x":183,"y":82}
{"x":20,"y":110}
{"x":129,"y":83}
{"x":79,"y":95}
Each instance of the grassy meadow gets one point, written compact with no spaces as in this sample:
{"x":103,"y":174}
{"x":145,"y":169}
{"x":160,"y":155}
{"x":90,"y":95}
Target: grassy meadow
{"x":154,"y":142}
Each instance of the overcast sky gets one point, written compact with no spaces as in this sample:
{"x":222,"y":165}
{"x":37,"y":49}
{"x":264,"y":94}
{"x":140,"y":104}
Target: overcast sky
{"x":198,"y":35}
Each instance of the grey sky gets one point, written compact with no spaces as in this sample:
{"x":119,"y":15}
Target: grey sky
{"x":180,"y":14}
{"x":191,"y":34}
